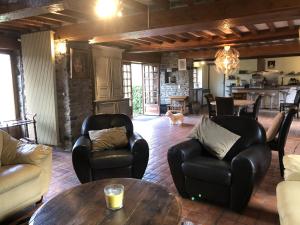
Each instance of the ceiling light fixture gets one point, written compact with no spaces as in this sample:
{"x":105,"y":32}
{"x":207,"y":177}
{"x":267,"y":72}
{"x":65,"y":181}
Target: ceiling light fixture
{"x":107,"y":9}
{"x":227,"y":60}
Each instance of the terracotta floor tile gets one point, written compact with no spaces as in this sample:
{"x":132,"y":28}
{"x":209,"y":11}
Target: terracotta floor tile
{"x":161,"y":136}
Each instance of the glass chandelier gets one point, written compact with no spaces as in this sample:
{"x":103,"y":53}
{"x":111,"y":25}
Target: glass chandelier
{"x":227,"y":60}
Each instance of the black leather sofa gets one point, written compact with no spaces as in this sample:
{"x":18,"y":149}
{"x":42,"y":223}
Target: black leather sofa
{"x":127,"y":162}
{"x":230,"y":182}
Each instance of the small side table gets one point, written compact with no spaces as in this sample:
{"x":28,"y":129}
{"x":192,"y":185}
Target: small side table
{"x":178,"y":104}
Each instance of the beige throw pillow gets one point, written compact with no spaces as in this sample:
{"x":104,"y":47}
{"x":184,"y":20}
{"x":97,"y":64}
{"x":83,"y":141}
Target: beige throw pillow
{"x":108,"y":138}
{"x":273,"y":129}
{"x":215,"y":138}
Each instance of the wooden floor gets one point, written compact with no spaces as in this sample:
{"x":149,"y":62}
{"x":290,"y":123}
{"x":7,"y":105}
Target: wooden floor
{"x":160,"y":136}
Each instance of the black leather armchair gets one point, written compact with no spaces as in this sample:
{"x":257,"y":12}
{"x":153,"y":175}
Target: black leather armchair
{"x":127,"y":162}
{"x":198,"y":174}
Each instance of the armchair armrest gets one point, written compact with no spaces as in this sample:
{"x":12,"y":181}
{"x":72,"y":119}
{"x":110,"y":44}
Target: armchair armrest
{"x":80,"y":158}
{"x":176,"y":156}
{"x":291,"y":167}
{"x":248,"y":167}
{"x":32,"y":154}
{"x":140,"y":150}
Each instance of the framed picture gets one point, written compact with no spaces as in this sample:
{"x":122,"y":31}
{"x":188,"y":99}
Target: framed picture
{"x":181,"y":64}
{"x":271,"y":64}
{"x":78,"y":63}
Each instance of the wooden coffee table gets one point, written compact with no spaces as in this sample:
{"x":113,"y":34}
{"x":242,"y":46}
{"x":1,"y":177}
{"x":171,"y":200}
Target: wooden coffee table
{"x":144,"y":203}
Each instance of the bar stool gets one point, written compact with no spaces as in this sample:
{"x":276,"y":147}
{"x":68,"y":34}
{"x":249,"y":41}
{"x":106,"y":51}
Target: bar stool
{"x":284,"y":95}
{"x":262,"y":94}
{"x":271,"y":97}
{"x":252,"y":95}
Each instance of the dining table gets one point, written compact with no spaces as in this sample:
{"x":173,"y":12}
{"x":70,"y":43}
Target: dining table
{"x":238,"y":104}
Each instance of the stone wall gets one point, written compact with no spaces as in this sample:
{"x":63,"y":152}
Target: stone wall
{"x":184,"y":79}
{"x":74,"y":96}
{"x":18,"y":72}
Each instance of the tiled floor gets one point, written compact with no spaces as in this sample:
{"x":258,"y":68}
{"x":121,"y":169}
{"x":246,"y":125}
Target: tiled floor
{"x":160,"y":136}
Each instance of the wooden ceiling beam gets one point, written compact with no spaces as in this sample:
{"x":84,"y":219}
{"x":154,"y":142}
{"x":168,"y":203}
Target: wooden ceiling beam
{"x":166,"y":39}
{"x":163,"y":4}
{"x":219,"y":33}
{"x":252,"y":29}
{"x":41,"y":7}
{"x":177,"y":37}
{"x":291,"y":24}
{"x":235,"y":31}
{"x":129,"y":43}
{"x":59,"y":17}
{"x":271,"y":26}
{"x":45,"y":21}
{"x":7,"y":43}
{"x":139,"y":41}
{"x":135,"y":5}
{"x":204,"y":35}
{"x":29,"y":12}
{"x":287,"y":49}
{"x":283,"y":33}
{"x":189,"y":2}
{"x":195,"y":34}
{"x":152,"y":39}
{"x":200,"y":17}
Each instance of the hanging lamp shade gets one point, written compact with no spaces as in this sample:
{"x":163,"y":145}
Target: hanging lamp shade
{"x":227,"y":60}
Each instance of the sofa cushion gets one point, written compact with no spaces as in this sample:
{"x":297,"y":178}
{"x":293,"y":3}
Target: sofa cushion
{"x":9,"y":149}
{"x":288,"y":201}
{"x":15,"y":175}
{"x":111,"y":159}
{"x":215,"y":138}
{"x":209,"y":170}
{"x":111,"y":138}
{"x":273,"y":129}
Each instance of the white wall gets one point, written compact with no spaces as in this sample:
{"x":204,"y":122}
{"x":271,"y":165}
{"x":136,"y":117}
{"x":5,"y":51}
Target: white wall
{"x":216,"y":81}
{"x":287,"y":65}
{"x":205,"y":76}
{"x":40,"y":84}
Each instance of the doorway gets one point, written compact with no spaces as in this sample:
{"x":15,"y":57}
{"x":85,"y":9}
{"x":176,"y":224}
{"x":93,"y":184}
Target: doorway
{"x":141,"y":86}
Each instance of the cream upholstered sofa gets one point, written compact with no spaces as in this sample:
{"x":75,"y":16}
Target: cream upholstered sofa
{"x":25,"y":172}
{"x":288,"y":192}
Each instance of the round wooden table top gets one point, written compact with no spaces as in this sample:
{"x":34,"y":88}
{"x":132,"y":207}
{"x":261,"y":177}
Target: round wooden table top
{"x":238,"y":103}
{"x":144,"y":203}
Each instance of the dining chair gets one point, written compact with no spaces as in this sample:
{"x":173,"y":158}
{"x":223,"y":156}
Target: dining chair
{"x":255,"y":111}
{"x":211,"y":111}
{"x":225,"y":106}
{"x":295,"y":104}
{"x":278,"y":143}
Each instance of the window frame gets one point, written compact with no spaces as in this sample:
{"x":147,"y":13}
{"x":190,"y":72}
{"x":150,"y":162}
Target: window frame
{"x":125,"y":87}
{"x":196,"y":79}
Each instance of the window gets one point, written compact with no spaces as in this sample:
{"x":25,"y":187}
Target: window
{"x":197,"y":77}
{"x":7,"y":95}
{"x":126,"y":69}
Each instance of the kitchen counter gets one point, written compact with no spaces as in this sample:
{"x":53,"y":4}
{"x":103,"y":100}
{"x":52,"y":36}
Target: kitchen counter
{"x":271,"y":95}
{"x":283,"y":87}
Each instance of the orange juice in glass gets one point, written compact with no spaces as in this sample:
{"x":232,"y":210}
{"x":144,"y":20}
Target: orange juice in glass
{"x":114,"y":194}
